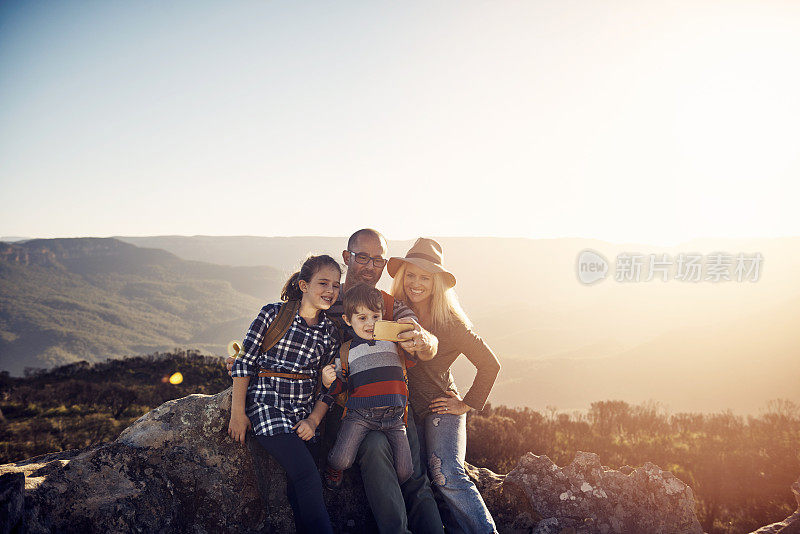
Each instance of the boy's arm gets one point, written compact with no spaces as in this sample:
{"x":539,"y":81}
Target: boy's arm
{"x":336,"y":388}
{"x":410,"y":359}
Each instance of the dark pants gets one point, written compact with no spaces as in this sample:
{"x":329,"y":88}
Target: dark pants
{"x":397,"y":508}
{"x":303,"y":485}
{"x":357,"y":423}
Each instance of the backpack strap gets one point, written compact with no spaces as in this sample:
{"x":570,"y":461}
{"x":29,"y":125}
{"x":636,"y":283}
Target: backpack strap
{"x":405,"y":377}
{"x":344,"y":353}
{"x":278,"y":328}
{"x":388,"y":306}
{"x":388,"y":314}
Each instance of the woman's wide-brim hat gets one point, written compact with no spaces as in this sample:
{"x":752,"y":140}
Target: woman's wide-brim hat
{"x":427,"y":255}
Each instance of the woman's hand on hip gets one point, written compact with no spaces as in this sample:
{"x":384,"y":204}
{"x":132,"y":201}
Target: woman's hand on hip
{"x":238,"y":426}
{"x":451,"y":404}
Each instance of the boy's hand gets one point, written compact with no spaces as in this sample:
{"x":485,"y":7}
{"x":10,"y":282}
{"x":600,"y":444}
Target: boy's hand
{"x":328,"y":375}
{"x":237,"y":428}
{"x":305,"y":429}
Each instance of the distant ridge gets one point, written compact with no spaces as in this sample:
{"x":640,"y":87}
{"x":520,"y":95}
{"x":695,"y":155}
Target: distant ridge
{"x":561,"y":343}
{"x":63,"y":300}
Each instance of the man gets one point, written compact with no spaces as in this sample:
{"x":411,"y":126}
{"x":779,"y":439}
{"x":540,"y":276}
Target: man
{"x":396,"y":508}
{"x":365,"y":248}
{"x":409,"y":507}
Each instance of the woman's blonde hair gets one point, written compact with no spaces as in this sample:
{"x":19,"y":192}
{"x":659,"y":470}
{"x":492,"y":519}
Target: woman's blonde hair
{"x":445,"y":307}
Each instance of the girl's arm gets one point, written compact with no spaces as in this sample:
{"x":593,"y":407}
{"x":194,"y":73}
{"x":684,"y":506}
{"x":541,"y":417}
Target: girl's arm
{"x":306,"y":428}
{"x":247,"y":363}
{"x":245,"y":366}
{"x":239,"y":421}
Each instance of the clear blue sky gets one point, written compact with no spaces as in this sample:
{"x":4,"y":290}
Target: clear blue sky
{"x":625,"y":121}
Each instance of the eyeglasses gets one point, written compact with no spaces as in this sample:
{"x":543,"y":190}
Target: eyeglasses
{"x":363,"y":259}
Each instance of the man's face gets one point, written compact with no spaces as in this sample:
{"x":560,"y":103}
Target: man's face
{"x":364,"y":273}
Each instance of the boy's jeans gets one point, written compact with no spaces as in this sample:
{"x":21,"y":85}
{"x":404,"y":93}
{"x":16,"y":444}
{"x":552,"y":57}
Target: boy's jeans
{"x":357,"y":423}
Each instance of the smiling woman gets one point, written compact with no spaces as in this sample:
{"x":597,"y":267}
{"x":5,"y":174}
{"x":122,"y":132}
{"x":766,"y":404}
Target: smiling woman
{"x":421,"y":280}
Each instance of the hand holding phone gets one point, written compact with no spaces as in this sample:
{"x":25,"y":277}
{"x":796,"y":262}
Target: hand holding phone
{"x":389,"y":330}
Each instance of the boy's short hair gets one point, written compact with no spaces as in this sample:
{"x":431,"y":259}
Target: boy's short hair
{"x":362,"y":295}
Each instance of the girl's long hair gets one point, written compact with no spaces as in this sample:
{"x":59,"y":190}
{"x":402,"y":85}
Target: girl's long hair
{"x":291,"y":289}
{"x":445,"y":307}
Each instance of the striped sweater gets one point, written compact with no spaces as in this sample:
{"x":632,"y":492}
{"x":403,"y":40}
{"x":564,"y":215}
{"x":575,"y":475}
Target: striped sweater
{"x":375,"y":376}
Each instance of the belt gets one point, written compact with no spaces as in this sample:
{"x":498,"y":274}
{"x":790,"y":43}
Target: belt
{"x":293,"y":376}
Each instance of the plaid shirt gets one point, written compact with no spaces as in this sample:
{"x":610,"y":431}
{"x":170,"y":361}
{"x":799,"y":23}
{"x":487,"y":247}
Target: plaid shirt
{"x":274,"y":405}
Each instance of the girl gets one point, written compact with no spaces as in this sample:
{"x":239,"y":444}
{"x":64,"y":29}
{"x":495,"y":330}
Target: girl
{"x":421,"y":281}
{"x":273,"y":391}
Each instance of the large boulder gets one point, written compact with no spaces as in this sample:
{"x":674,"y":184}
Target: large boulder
{"x":588,"y":498}
{"x":176,"y":470}
{"x":790,"y":525}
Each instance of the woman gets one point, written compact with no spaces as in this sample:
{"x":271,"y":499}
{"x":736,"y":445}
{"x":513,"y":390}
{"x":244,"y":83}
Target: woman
{"x":273,"y":391}
{"x":422,"y":282}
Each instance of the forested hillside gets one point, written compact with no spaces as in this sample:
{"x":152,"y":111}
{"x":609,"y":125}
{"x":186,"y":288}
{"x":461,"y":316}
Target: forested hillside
{"x":65,"y":300}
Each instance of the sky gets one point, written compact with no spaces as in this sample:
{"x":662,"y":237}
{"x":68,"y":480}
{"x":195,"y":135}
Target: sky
{"x":640,"y":121}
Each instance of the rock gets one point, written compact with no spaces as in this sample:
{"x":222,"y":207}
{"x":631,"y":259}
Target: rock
{"x":176,"y":470}
{"x":588,"y":497}
{"x":12,"y":500}
{"x":790,"y":525}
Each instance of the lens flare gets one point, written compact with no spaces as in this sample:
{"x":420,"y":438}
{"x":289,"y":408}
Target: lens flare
{"x":176,"y":378}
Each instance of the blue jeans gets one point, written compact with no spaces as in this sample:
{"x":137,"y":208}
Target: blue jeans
{"x":303,"y":485}
{"x":443,"y":442}
{"x":397,"y":508}
{"x":357,"y":423}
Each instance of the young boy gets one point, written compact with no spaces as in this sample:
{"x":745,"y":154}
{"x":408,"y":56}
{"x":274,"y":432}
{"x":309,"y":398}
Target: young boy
{"x":377,"y":389}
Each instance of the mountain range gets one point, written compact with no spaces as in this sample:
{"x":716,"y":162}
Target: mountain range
{"x":691,"y":346}
{"x":64,"y":300}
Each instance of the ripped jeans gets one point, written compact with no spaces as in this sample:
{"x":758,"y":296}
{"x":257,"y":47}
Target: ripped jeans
{"x":443,"y":443}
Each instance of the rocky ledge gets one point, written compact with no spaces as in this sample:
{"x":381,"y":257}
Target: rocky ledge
{"x":176,"y":470}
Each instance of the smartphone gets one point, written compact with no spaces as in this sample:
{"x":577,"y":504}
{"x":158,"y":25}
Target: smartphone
{"x":388,"y":330}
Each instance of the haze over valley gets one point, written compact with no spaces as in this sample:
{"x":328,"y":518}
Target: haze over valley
{"x":690,"y":346}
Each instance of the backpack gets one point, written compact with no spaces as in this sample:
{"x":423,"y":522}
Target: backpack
{"x":278,"y":328}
